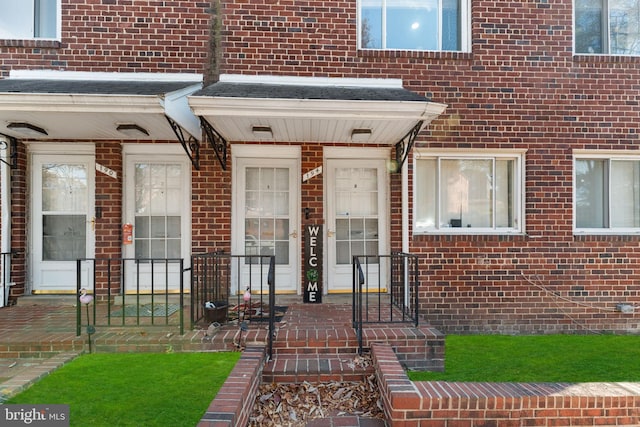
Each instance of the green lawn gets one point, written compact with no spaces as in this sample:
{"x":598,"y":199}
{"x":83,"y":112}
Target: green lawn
{"x":544,"y":358}
{"x":134,"y":389}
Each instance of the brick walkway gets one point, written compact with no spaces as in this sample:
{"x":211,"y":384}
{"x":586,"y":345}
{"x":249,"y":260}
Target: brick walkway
{"x":38,"y":335}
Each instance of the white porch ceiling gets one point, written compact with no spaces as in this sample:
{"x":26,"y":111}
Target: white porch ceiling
{"x":311,"y":111}
{"x":92,"y":109}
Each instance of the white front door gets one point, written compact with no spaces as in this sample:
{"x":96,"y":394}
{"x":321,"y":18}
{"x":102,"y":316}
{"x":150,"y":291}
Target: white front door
{"x":356,"y":220}
{"x":158,"y":205}
{"x":265,"y":215}
{"x":62,"y":221}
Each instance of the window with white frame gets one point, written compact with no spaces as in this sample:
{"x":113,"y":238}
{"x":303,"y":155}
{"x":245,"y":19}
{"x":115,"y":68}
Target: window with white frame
{"x":435,"y":25}
{"x":468,"y":193}
{"x":607,"y":193}
{"x":29,"y":19}
{"x":607,"y":27}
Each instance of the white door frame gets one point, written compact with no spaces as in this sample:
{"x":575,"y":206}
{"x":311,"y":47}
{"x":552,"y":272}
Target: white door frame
{"x":261,"y":155}
{"x":379,"y":156}
{"x":160,"y":153}
{"x":62,"y":274}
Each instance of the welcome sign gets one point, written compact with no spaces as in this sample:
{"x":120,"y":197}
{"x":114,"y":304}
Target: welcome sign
{"x":313,"y":263}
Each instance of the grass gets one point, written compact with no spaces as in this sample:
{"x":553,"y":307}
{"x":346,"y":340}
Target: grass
{"x":134,"y":389}
{"x":545,"y":358}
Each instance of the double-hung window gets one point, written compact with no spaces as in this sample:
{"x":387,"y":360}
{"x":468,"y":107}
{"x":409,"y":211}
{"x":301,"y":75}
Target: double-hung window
{"x":29,"y":19}
{"x":434,"y":25}
{"x":468,"y":193}
{"x":606,"y":193}
{"x":610,"y":27}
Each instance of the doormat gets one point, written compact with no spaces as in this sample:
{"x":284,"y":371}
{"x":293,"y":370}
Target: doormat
{"x":146,"y":310}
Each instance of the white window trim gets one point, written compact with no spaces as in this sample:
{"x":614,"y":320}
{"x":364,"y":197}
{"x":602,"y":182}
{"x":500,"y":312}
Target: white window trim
{"x":519,"y":155}
{"x":168,"y":153}
{"x":465,"y":31}
{"x":58,"y":36}
{"x":627,"y":155}
{"x":606,"y":41}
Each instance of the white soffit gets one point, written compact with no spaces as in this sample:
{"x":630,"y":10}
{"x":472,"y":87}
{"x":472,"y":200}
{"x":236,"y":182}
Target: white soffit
{"x":307,"y":109}
{"x":79,"y":105}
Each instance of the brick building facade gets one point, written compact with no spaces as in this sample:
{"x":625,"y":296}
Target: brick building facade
{"x":520,"y":192}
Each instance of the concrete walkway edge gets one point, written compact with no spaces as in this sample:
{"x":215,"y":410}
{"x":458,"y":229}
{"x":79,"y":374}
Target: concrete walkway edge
{"x":25,"y":379}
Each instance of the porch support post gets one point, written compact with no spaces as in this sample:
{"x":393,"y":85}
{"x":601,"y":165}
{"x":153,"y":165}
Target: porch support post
{"x":405,"y":208}
{"x":6,"y":144}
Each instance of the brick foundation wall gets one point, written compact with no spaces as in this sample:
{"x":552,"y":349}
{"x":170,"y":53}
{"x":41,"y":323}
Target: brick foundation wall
{"x":450,"y":404}
{"x":233,"y":404}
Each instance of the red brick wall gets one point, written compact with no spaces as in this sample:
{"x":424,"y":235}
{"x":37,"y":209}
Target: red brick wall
{"x":211,"y":203}
{"x":18,"y":223}
{"x":520,"y":88}
{"x":120,"y":36}
{"x":113,"y":36}
{"x":435,"y":404}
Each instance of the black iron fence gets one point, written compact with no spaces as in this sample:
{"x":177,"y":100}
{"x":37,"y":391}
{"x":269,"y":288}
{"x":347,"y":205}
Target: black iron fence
{"x":385,"y":290}
{"x":130,"y":292}
{"x":228,"y":287}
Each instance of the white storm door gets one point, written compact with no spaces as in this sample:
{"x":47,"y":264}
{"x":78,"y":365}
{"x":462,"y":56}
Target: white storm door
{"x":356,"y":220}
{"x":267,"y":222}
{"x":62,"y":221}
{"x":158,"y":205}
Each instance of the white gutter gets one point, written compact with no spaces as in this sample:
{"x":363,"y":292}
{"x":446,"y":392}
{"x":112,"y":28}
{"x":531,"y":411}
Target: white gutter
{"x":5,"y":215}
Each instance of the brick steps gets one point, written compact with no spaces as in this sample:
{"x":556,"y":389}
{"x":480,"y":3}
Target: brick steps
{"x":318,"y":368}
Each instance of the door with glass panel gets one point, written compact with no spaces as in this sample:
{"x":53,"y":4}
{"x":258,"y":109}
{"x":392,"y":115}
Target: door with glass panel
{"x":267,"y":224}
{"x":62,"y":220}
{"x":356,"y":221}
{"x":157,"y":200}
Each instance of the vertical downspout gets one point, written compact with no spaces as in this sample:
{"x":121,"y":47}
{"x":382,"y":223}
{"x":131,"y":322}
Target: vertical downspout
{"x":405,"y":208}
{"x":405,"y":228}
{"x":5,"y":215}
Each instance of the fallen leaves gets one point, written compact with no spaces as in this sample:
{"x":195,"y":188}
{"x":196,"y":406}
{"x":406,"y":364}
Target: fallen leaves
{"x":293,"y":405}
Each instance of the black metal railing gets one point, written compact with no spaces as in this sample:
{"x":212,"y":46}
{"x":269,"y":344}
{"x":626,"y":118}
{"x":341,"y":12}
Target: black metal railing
{"x":385,"y":290}
{"x":219,"y":283}
{"x":131,"y":292}
{"x":5,"y":274}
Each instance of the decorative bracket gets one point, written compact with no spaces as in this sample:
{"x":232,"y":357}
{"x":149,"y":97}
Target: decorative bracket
{"x":218,"y":143}
{"x":9,"y":143}
{"x":405,"y":144}
{"x":191,"y":146}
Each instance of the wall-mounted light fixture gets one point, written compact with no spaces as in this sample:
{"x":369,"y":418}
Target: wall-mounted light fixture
{"x":360,"y":135}
{"x":27,"y":129}
{"x":262,"y":132}
{"x":132,"y":130}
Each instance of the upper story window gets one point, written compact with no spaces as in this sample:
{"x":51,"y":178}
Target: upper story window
{"x":435,"y":25}
{"x":607,"y":27}
{"x":468,"y":193}
{"x":29,"y":19}
{"x":607,"y":193}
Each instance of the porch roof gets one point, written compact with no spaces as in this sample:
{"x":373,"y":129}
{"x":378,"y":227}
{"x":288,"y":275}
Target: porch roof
{"x":307,"y":109}
{"x":70,"y":105}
